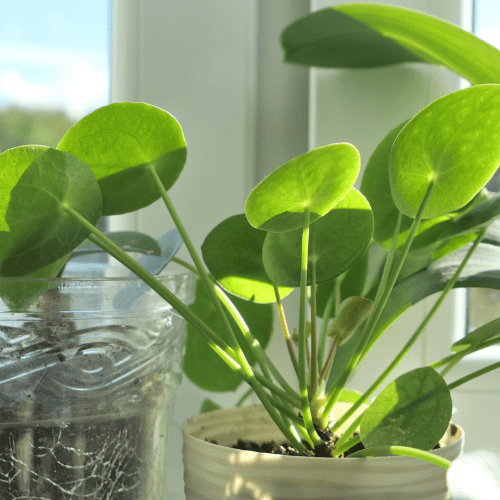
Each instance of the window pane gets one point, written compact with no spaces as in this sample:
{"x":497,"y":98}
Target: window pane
{"x":54,"y":67}
{"x":487,"y":21}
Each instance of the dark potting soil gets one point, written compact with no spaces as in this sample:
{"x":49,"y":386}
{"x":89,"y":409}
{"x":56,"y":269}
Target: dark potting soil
{"x":324,"y":450}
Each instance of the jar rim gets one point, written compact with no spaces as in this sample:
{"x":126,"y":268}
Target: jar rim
{"x":93,"y":279}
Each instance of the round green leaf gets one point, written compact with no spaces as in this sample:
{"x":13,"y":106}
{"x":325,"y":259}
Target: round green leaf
{"x":13,"y":163}
{"x":315,"y":181}
{"x":455,"y":143}
{"x":233,"y":254}
{"x":201,"y":364}
{"x":336,"y":242}
{"x":413,"y":410}
{"x":41,"y":230}
{"x":120,"y":142}
{"x":375,"y":185}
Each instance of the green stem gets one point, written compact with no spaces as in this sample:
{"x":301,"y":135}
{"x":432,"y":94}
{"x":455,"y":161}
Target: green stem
{"x":314,"y":339}
{"x":244,"y":397}
{"x":453,"y":359}
{"x":185,"y":264}
{"x":240,"y":357}
{"x":443,"y":361}
{"x":349,"y":432}
{"x":288,"y":412}
{"x":453,"y":362}
{"x":200,"y":268}
{"x":280,"y":421}
{"x":254,"y":344}
{"x":378,"y":307}
{"x":229,"y":356}
{"x":115,"y":251}
{"x":286,"y":331}
{"x":392,"y":252}
{"x":281,"y":381}
{"x":330,"y":303}
{"x":386,"y":272}
{"x":404,"y":351}
{"x":341,"y":448}
{"x":329,"y":360}
{"x":291,"y":398}
{"x":406,"y":451}
{"x":304,"y":397}
{"x":473,"y":375}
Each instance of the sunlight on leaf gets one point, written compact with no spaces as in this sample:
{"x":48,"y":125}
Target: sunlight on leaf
{"x":42,"y":231}
{"x":337,"y":241}
{"x":201,"y":364}
{"x":315,"y":181}
{"x":13,"y":163}
{"x":232,"y":252}
{"x":455,"y":143}
{"x":120,"y":142}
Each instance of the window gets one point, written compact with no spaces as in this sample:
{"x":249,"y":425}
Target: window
{"x":54,"y":67}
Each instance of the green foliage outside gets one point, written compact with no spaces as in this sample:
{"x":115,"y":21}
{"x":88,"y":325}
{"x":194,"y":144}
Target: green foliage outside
{"x":19,"y":126}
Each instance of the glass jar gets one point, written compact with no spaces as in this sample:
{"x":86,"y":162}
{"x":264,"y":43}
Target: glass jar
{"x":88,"y":374}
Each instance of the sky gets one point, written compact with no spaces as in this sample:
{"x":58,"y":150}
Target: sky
{"x":54,"y":54}
{"x":487,"y":21}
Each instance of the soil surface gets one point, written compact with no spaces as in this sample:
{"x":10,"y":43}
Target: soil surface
{"x":324,"y":450}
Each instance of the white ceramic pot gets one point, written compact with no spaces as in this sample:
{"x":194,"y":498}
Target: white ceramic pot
{"x":218,"y":472}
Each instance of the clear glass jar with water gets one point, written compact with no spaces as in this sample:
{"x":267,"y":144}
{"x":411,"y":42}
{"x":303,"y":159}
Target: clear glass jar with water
{"x":88,"y":374}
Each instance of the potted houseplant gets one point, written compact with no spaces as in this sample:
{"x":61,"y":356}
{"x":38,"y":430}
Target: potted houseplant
{"x":359,"y":36}
{"x":305,"y":227}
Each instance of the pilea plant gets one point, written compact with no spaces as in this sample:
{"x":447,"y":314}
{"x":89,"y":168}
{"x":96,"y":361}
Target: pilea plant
{"x":421,"y":223}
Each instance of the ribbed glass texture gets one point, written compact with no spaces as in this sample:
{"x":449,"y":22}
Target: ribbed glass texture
{"x":88,"y":375}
